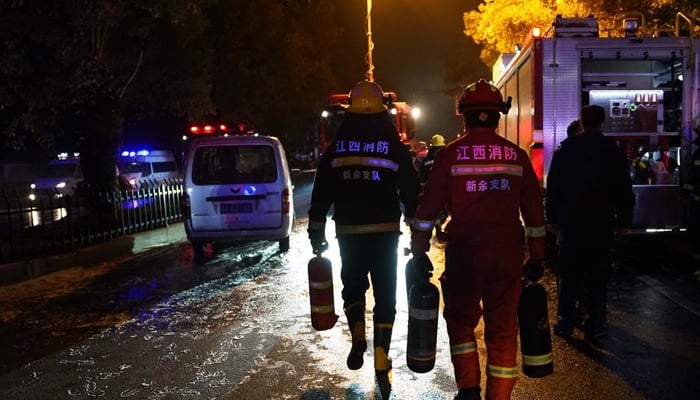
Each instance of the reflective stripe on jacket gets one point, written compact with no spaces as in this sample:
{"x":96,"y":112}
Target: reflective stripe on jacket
{"x":367,"y":176}
{"x":486,"y":183}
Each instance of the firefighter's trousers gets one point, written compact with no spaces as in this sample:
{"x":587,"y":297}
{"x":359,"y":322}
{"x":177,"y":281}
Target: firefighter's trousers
{"x":370,"y":256}
{"x":487,"y":273}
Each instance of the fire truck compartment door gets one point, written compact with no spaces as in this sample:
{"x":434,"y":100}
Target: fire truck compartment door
{"x":655,"y":208}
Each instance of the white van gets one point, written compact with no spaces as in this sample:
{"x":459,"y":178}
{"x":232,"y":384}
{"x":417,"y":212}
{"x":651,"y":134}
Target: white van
{"x":237,"y":188}
{"x":61,"y":175}
{"x":147,"y":166}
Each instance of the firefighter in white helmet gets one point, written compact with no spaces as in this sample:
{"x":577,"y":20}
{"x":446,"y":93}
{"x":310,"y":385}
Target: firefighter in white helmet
{"x":485,"y":183}
{"x":366,"y":175}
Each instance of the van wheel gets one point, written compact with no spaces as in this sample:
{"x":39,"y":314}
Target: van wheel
{"x":284,"y":244}
{"x":199,"y":248}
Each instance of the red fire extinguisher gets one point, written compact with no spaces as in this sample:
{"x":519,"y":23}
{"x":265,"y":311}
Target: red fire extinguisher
{"x":323,"y":315}
{"x":535,"y":339}
{"x":423,"y":304}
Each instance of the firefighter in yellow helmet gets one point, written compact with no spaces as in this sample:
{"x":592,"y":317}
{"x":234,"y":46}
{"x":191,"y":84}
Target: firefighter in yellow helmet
{"x":485,"y":182}
{"x":366,"y":175}
{"x":367,"y":98}
{"x":437,"y":142}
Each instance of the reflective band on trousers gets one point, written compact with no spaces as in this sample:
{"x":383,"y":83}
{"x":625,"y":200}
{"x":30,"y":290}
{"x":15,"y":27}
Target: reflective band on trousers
{"x":322,"y":309}
{"x":502,"y":372}
{"x":487,"y":169}
{"x":369,"y":228}
{"x":320,"y":284}
{"x":543,"y":359}
{"x":463,"y":348}
{"x":365,"y":162}
{"x":317,"y":225}
{"x":428,"y":357}
{"x":423,"y":225}
{"x":422,"y":314}
{"x":535,"y":231}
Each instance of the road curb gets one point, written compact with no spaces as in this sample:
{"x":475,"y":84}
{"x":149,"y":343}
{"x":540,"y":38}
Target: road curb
{"x":122,"y":246}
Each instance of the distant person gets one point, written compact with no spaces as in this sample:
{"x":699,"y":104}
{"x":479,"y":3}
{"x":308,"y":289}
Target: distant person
{"x":665,"y":167}
{"x":421,"y":151}
{"x":486,"y":183}
{"x":573,"y":129}
{"x":642,"y":168}
{"x":589,"y":195}
{"x":367,"y":176}
{"x":662,"y":176}
{"x":437,"y":143}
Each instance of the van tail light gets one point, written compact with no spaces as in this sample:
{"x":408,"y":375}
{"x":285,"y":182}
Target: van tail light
{"x":286,"y":193}
{"x":185,"y":205}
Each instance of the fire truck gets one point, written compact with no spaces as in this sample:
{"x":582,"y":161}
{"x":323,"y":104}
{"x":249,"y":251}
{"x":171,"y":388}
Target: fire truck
{"x":402,"y":115}
{"x":649,"y":87}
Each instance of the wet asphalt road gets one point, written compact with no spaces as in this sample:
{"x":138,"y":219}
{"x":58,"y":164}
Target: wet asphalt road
{"x":164,"y":325}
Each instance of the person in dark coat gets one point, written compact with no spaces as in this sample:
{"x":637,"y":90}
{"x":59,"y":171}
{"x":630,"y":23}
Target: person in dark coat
{"x":368,"y":177}
{"x":589,"y":195}
{"x":573,"y":129}
{"x":437,"y":143}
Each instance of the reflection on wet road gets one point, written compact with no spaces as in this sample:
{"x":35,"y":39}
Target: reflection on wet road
{"x":235,"y":325}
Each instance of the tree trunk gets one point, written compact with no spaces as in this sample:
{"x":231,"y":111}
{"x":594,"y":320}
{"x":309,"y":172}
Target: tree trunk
{"x":101,"y":135}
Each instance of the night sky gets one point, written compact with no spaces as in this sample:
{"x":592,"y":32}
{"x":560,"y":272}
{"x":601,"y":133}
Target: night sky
{"x":414,"y":40}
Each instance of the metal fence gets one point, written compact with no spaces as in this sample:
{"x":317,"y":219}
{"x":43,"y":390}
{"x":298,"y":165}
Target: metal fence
{"x":45,"y":223}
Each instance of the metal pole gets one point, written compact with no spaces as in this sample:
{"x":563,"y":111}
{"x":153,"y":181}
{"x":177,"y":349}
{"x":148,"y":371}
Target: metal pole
{"x":370,"y":67}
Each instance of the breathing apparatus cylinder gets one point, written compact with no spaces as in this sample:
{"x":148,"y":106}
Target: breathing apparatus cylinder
{"x":535,"y":338}
{"x":422,"y":326}
{"x":323,"y":316}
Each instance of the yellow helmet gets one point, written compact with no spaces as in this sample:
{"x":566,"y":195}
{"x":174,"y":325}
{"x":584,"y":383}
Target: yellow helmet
{"x":366,"y":98}
{"x":437,"y":140}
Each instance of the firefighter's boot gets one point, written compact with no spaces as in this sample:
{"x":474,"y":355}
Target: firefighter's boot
{"x":356,"y":322}
{"x":382,"y":362}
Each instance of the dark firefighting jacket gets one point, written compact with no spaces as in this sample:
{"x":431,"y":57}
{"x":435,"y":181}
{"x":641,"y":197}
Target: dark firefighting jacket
{"x":486,"y":183}
{"x":589,"y":191}
{"x":427,"y":164}
{"x":367,"y":175}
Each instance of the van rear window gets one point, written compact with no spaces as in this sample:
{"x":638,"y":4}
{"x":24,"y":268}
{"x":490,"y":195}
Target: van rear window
{"x":133,"y":167}
{"x":164,"y":166}
{"x":217,"y":165}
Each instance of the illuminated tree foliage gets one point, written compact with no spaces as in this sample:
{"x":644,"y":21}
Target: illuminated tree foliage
{"x":498,"y":25}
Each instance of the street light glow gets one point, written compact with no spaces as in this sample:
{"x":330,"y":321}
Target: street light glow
{"x":415,"y":112}
{"x":370,"y":45}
